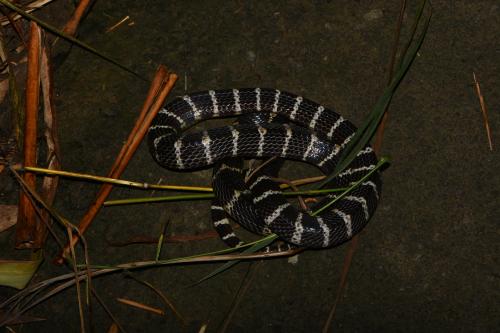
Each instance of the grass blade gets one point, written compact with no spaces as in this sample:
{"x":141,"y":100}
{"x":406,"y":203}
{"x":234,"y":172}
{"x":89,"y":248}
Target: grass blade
{"x":366,"y":131}
{"x":17,"y":273}
{"x":254,"y":248}
{"x":381,"y":162}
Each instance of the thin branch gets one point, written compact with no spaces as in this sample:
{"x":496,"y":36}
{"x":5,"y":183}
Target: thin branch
{"x":483,"y":110}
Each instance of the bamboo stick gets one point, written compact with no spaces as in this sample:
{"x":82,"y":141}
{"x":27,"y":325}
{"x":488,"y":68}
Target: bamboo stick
{"x":26,"y":223}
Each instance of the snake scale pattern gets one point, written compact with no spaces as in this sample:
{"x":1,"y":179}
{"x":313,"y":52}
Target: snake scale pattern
{"x":313,"y":134}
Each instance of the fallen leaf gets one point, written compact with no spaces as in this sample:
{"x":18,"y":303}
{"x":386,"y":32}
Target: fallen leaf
{"x":17,"y":273}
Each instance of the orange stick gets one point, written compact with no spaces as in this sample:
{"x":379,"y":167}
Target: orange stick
{"x":74,"y":21}
{"x":26,"y":222}
{"x":141,"y":306}
{"x":160,"y":87}
{"x":483,"y":110}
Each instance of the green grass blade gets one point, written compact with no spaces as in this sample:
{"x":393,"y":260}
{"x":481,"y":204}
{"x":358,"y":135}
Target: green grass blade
{"x":206,"y":196}
{"x":368,"y":128}
{"x":252,"y":249}
{"x":413,"y":31}
{"x":159,"y":244}
{"x":202,"y":196}
{"x":380,"y":163}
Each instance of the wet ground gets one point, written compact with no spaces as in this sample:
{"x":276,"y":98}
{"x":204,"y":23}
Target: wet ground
{"x":428,"y":260}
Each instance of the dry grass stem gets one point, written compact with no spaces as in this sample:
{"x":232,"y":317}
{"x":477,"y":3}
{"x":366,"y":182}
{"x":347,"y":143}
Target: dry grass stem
{"x":483,"y":110}
{"x":32,"y":6}
{"x":145,"y":186}
{"x":114,"y":26}
{"x":241,"y":293}
{"x":294,"y":188}
{"x":15,"y":25}
{"x":141,"y":306}
{"x":164,"y":298}
{"x":49,"y":184}
{"x":77,"y":282}
{"x":140,"y":239}
{"x":259,"y":167}
{"x":353,"y":244}
{"x":304,"y":181}
{"x":25,"y":299}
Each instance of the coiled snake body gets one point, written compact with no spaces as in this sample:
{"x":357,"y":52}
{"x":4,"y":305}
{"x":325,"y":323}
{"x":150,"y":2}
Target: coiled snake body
{"x":314,"y":134}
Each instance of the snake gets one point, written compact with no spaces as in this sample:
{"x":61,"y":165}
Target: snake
{"x":313,"y":134}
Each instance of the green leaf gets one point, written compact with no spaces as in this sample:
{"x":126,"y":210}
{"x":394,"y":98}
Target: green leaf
{"x":17,"y":273}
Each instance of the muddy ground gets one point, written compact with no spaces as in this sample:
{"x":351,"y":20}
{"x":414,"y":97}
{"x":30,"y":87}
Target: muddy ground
{"x":428,"y":260}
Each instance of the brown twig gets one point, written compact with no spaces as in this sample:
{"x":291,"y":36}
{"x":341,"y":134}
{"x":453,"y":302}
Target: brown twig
{"x":380,"y":131}
{"x":483,"y":110}
{"x":141,"y":306}
{"x":353,"y":244}
{"x":74,"y":21}
{"x":252,"y":269}
{"x":77,"y":284}
{"x":24,"y":300}
{"x":294,"y":188}
{"x":116,"y":25}
{"x":376,"y":147}
{"x":108,"y":311}
{"x":164,"y":298}
{"x":142,"y":239}
{"x":27,"y":225}
{"x":263,"y":164}
{"x":160,"y":87}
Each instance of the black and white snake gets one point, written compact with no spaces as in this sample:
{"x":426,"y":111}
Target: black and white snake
{"x":314,"y":134}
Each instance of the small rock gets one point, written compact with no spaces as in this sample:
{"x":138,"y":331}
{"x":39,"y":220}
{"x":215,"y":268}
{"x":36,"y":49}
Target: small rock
{"x":373,"y":14}
{"x":294,"y":260}
{"x":251,"y":56}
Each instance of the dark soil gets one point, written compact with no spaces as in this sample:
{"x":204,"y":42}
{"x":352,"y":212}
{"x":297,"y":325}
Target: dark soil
{"x":428,"y":260}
